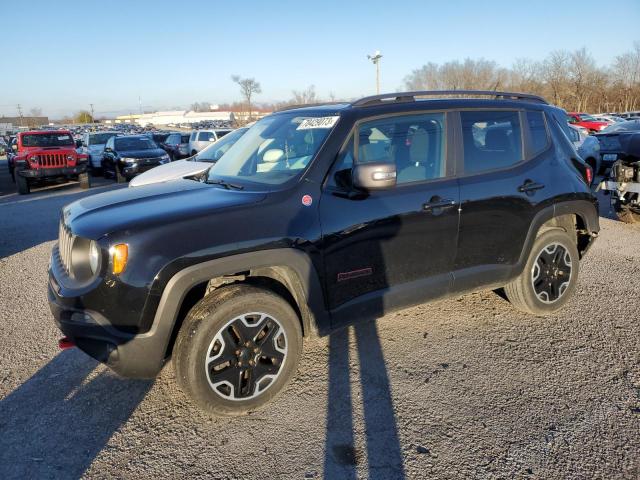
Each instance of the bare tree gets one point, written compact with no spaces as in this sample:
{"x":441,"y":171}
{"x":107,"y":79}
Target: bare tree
{"x":248,"y":88}
{"x":305,"y":96}
{"x":200,"y":106}
{"x":35,"y":112}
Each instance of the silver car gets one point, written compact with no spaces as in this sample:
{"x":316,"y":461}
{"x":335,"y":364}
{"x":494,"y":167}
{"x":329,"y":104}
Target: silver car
{"x":201,"y":139}
{"x":93,"y":145}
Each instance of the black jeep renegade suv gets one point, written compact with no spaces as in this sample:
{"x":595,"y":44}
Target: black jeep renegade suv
{"x":318,"y":217}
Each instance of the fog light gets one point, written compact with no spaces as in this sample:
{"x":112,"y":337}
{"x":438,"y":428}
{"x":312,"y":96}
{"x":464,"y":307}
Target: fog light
{"x":119,"y":256}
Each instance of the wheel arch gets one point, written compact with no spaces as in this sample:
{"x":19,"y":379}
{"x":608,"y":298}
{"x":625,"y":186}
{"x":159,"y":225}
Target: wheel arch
{"x":287,"y":272}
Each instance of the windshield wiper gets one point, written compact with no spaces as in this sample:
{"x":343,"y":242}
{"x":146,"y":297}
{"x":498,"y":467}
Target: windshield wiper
{"x":226,"y":185}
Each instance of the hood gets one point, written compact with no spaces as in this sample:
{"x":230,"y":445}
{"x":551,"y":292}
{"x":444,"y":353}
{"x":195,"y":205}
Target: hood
{"x":133,"y":208}
{"x":150,"y":153}
{"x":170,"y":171}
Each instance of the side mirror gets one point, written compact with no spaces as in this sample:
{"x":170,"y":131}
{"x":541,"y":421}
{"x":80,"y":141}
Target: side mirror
{"x":374,"y":176}
{"x":78,"y":143}
{"x":108,"y":149}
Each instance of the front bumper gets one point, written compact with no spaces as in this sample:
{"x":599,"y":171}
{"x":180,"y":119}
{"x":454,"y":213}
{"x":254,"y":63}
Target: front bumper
{"x":128,"y":354}
{"x":131,"y":169}
{"x":53,"y":172}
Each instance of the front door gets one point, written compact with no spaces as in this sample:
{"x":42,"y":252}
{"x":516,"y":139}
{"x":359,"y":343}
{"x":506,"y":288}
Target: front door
{"x":391,"y":248}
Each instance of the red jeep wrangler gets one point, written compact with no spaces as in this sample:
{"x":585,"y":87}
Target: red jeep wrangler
{"x":43,"y":155}
{"x":587,"y":121}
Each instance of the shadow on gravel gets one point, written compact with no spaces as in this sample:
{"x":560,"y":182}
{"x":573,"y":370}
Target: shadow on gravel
{"x":30,"y":220}
{"x":383,"y":452}
{"x":56,"y":423}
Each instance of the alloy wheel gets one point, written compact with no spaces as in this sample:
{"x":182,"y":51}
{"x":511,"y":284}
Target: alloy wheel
{"x":551,"y":273}
{"x":246,"y":356}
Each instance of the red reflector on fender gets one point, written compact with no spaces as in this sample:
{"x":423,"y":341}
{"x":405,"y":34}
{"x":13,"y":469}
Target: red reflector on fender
{"x":589,"y":175}
{"x":65,"y":343}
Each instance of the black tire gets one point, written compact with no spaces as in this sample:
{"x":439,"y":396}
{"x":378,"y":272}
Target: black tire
{"x":120,"y":178}
{"x":193,"y":152}
{"x":219,"y":316}
{"x":85,"y":181}
{"x":545,"y":293}
{"x":22,"y":184}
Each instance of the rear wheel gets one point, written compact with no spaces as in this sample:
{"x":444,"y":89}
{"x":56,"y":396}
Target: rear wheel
{"x":549,"y":277}
{"x":237,"y":349}
{"x":22,"y":184}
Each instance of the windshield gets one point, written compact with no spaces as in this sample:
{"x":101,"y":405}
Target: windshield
{"x":275,"y":149}
{"x":134,"y":143}
{"x":100,"y":138}
{"x":631,"y":125}
{"x":47,"y":140}
{"x":214,"y":152}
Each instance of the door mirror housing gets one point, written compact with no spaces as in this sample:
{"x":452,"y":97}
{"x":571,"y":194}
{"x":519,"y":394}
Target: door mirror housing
{"x":374,"y":176}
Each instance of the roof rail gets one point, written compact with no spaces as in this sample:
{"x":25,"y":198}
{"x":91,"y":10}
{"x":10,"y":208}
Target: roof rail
{"x":411,"y":96}
{"x":307,"y":105}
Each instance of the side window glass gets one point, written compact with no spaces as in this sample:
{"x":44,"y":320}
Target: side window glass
{"x":193,"y":136}
{"x":492,"y":140}
{"x":415,"y":143}
{"x":537,"y":131}
{"x":204,"y":136}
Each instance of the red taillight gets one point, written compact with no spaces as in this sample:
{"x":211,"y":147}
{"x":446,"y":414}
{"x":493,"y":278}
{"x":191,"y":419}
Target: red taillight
{"x":589,"y":175}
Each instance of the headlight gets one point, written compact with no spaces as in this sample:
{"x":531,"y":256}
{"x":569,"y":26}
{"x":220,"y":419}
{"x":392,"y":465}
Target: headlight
{"x":69,"y":157}
{"x":94,"y":256}
{"x":129,"y":160}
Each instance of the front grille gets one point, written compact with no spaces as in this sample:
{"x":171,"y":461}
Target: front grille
{"x":65,"y":245}
{"x":52,"y":159}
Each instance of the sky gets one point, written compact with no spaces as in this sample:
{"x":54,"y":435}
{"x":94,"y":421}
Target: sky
{"x":61,"y":56}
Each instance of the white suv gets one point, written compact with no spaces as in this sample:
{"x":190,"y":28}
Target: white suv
{"x":200,"y":139}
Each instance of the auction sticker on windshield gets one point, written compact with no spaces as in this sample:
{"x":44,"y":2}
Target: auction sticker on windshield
{"x":318,"y":122}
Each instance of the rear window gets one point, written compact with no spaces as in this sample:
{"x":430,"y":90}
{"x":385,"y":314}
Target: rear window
{"x":204,"y":136}
{"x":193,"y":136}
{"x":134,"y":143}
{"x":222,"y":133}
{"x":492,"y":140}
{"x":47,"y":140}
{"x":537,"y":131}
{"x":184,"y":139}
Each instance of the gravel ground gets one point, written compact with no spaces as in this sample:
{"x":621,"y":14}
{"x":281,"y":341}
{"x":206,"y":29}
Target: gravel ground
{"x":461,"y":388}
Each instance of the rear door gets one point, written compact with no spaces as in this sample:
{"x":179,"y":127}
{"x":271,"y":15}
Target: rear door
{"x":386,"y":249}
{"x":505,"y":181}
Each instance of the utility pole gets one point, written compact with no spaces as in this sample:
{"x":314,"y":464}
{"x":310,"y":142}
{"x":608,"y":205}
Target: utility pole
{"x":20,"y":115}
{"x":92,"y":119}
{"x":375,"y":58}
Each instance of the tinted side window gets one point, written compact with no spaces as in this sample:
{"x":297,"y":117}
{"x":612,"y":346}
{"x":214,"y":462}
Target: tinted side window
{"x":537,"y":132}
{"x":415,"y":143}
{"x":492,"y":140}
{"x":341,"y":172}
{"x":193,"y":136}
{"x":204,"y":136}
{"x":184,"y":139}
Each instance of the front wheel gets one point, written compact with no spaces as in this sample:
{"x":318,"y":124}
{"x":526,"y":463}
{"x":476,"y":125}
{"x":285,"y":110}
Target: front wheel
{"x":550,"y":276}
{"x":22,"y":184}
{"x":120,"y":177}
{"x":237,"y":349}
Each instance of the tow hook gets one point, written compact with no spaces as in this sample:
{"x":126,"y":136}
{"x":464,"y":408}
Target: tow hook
{"x":65,"y":343}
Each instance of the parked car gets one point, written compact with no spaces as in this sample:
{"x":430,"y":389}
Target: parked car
{"x":609,"y":138}
{"x":629,"y":115}
{"x":586,"y":121}
{"x":41,"y":156}
{"x":126,"y":156}
{"x":93,"y":145}
{"x":587,"y":146}
{"x":190,"y":167}
{"x":159,"y":137}
{"x":316,"y":218}
{"x":608,"y":118}
{"x":177,"y":145}
{"x":200,"y":139}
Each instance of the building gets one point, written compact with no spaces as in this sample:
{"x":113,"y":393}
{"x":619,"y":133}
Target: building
{"x":174,"y":117}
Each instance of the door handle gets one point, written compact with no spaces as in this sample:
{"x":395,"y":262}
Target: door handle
{"x":529,"y":186}
{"x":437,"y":202}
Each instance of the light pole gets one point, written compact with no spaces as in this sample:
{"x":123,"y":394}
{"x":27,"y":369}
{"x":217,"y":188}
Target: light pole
{"x":375,"y":58}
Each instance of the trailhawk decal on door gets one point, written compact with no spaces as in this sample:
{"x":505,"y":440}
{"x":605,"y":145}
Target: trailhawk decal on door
{"x":319,"y":122}
{"x":363,"y":272}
